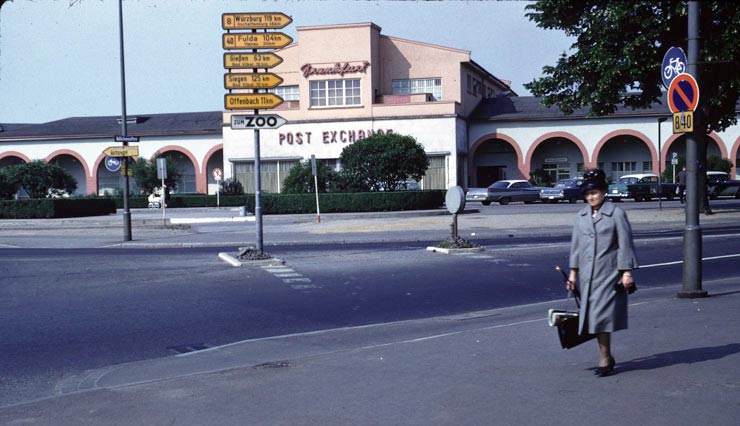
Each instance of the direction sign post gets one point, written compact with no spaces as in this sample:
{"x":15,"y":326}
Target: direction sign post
{"x":255,"y":40}
{"x":243,"y":80}
{"x":122,"y":151}
{"x":267,"y":121}
{"x":251,"y":60}
{"x":251,"y":100}
{"x":255,"y":81}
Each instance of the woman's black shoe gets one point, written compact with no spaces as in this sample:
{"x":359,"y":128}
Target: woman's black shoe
{"x":606,"y":371}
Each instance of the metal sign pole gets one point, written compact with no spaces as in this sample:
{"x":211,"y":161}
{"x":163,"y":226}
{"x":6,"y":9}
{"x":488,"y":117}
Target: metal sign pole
{"x":126,"y":211}
{"x":692,"y":238}
{"x":257,"y":190}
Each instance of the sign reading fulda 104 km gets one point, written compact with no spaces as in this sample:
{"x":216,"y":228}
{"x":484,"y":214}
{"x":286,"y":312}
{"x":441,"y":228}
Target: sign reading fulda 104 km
{"x":256,"y":60}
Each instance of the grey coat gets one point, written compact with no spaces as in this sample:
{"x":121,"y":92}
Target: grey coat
{"x":601,"y":248}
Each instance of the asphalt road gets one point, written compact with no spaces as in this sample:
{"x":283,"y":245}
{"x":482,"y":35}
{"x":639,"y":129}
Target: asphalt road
{"x":64,"y":311}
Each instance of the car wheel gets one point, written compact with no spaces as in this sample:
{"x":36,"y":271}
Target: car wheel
{"x":504,"y":201}
{"x":486,"y":203}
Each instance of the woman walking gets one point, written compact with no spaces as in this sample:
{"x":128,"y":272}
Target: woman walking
{"x":602,"y":257}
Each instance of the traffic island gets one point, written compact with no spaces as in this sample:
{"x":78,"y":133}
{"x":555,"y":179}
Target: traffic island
{"x":249,"y":256}
{"x":455,"y":246}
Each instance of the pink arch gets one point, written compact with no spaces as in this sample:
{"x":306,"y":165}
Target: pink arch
{"x":96,"y":166}
{"x":90,"y":182}
{"x":563,"y":135}
{"x":14,"y":154}
{"x":208,"y":156}
{"x":200,"y":177}
{"x":627,"y":132}
{"x":714,"y":136}
{"x":735,"y":149}
{"x":523,"y":173}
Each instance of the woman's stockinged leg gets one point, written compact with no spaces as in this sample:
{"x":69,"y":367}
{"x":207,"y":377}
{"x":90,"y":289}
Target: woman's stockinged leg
{"x":605,"y":347}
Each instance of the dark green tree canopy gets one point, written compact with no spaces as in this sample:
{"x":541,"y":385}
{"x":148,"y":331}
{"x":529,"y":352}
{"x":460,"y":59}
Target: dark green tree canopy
{"x":383,"y":162}
{"x":38,"y":177}
{"x":619,"y":49}
{"x":300,"y":179}
{"x":145,"y":174}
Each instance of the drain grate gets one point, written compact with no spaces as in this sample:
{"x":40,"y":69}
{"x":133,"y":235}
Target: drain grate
{"x":183,"y":349}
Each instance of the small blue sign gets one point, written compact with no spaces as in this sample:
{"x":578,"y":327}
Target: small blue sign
{"x":113,"y":164}
{"x":674,"y":63}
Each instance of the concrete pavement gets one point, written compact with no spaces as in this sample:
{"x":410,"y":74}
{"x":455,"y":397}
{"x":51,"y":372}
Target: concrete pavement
{"x":677,"y":364}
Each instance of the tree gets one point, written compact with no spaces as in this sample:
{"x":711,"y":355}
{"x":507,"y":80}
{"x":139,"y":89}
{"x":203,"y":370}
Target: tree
{"x":232,"y":187}
{"x":300,"y":179}
{"x":619,"y":49}
{"x":382,"y":161}
{"x":145,"y":175}
{"x":38,"y":177}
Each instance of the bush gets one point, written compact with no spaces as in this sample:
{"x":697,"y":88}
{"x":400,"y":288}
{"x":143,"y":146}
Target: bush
{"x":232,"y":187}
{"x":56,"y":208}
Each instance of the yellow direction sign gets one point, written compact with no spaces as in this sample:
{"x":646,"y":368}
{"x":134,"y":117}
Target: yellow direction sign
{"x":122,"y":151}
{"x":243,"y":80}
{"x":256,"y":40}
{"x":683,"y":122}
{"x":249,"y":21}
{"x":251,"y":100}
{"x":251,"y":60}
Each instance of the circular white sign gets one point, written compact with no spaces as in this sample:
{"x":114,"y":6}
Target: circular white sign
{"x":455,"y":200}
{"x":217,"y":173}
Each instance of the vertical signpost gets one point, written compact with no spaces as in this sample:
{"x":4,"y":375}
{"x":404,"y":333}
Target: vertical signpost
{"x":162,"y":174}
{"x":256,"y":41}
{"x":217,"y":175}
{"x":316,"y":186}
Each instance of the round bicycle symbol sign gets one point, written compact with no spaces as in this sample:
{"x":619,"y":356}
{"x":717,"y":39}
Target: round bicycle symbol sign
{"x":113,"y":164}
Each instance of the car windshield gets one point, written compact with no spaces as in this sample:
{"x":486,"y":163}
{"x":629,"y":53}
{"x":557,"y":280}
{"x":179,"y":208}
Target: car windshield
{"x":627,"y":180}
{"x":500,"y":184}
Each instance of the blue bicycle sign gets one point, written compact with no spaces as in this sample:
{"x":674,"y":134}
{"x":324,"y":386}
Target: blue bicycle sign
{"x":674,"y":63}
{"x":113,"y":164}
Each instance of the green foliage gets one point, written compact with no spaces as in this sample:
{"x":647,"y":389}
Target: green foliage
{"x":56,"y":208}
{"x":232,"y":186}
{"x":145,"y":175}
{"x":618,"y":50}
{"x":382,"y":162}
{"x":718,"y":164}
{"x":300,"y":180}
{"x":37,"y":178}
{"x":7,"y":189}
{"x":539,"y":177}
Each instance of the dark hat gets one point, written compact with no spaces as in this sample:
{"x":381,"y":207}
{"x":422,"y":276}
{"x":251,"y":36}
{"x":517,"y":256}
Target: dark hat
{"x":594,"y":179}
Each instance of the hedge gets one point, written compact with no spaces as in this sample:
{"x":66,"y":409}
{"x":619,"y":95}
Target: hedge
{"x":306,"y":203}
{"x":271,"y":203}
{"x":55,"y":208}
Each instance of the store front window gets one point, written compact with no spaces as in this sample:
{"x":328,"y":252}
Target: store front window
{"x":329,"y":93}
{"x":419,"y":85}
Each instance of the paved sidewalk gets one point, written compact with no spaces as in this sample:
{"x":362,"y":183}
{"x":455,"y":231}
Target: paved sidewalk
{"x":677,"y":365}
{"x":204,"y":227}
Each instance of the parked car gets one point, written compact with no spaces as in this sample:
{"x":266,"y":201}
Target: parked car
{"x":566,"y":189}
{"x":719,"y":184}
{"x":504,"y":192}
{"x":640,"y":187}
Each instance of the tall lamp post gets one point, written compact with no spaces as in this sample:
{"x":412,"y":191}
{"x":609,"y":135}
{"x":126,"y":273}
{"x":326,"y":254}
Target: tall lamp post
{"x":660,"y":166}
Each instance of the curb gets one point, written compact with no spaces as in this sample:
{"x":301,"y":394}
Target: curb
{"x":455,"y":250}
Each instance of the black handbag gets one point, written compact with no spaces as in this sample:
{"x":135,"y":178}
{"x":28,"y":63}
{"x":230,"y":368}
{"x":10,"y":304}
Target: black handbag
{"x":567,"y":322}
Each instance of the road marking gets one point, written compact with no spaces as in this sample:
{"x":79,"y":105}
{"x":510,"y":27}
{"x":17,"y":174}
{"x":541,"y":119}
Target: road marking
{"x":297,"y":280}
{"x":678,"y":262}
{"x":288,"y":275}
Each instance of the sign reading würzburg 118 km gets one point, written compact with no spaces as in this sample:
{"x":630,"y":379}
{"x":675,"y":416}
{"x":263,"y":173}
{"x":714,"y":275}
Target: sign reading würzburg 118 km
{"x":254,"y":21}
